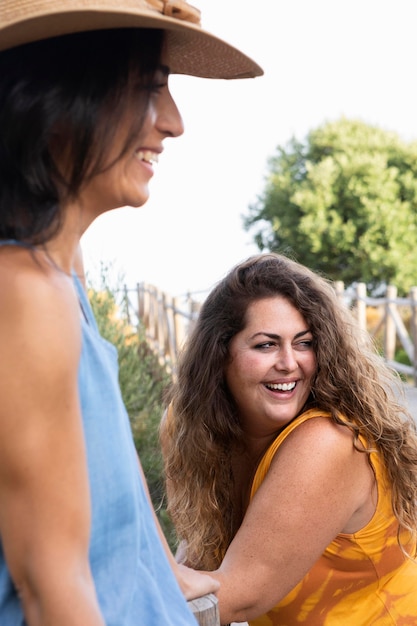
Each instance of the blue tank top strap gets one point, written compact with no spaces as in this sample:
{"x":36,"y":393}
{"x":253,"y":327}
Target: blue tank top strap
{"x":84,"y":303}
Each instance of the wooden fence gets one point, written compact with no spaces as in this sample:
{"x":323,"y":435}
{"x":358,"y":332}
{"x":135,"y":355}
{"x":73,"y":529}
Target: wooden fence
{"x":164,"y":319}
{"x":390,"y":320}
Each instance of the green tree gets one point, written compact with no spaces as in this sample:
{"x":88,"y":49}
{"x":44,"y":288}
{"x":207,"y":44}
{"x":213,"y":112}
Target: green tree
{"x":344,"y":203}
{"x":142,"y":381}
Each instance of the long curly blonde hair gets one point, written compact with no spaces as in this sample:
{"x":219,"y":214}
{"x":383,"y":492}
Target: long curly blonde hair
{"x":203,"y":426}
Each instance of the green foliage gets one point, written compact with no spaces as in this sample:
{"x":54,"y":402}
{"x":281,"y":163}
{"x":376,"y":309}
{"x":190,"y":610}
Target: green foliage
{"x":401,"y":356}
{"x":142,"y":381}
{"x":343,"y":203}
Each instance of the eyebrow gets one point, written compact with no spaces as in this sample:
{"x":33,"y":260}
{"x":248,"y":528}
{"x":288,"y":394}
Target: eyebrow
{"x":274,"y":336}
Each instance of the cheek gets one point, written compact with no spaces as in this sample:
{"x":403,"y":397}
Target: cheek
{"x":310,"y":366}
{"x":246,"y":368}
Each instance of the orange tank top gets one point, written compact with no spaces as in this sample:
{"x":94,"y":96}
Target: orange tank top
{"x":362,"y":579}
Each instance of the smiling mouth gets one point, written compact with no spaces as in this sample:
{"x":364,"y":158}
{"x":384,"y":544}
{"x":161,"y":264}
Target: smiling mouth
{"x":281,"y":386}
{"x":148,"y":156}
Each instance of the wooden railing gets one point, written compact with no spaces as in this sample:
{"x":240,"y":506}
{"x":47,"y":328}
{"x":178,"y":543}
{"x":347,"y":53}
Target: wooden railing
{"x":390,"y":320}
{"x":205,"y":610}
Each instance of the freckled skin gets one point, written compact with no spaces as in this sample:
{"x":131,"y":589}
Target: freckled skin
{"x":274,"y":347}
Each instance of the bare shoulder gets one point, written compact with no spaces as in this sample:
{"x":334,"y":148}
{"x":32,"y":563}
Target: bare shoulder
{"x":29,"y":282}
{"x":319,"y":458}
{"x":318,"y":436}
{"x":39,"y":317}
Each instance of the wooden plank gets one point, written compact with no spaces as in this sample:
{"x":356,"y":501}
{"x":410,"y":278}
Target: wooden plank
{"x":205,"y":610}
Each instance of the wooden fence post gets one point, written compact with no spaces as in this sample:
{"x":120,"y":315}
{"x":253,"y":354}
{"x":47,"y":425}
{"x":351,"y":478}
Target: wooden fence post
{"x":194,"y":310}
{"x":390,"y":332}
{"x":361,"y":305}
{"x":144,"y":310}
{"x":170,"y":347}
{"x":206,"y":610}
{"x":157,"y":323}
{"x":339,"y":287}
{"x":179,"y":325}
{"x":140,"y":301}
{"x":413,"y":329}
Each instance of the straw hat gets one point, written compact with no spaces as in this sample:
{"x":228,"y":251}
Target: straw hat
{"x":191,"y":50}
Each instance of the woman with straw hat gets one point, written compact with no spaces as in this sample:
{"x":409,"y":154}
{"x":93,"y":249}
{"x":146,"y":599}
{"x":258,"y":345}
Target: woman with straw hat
{"x":84,"y":110}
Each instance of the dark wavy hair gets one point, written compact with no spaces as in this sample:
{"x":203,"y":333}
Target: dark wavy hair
{"x":64,"y":97}
{"x":352,"y":383}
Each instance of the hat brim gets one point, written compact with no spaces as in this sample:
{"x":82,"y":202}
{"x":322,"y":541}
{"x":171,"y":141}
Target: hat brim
{"x":191,"y":50}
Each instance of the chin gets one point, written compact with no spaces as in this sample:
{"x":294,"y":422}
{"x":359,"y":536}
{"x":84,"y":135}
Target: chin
{"x":139,"y":202}
{"x":132,"y":204}
{"x":135,"y":197}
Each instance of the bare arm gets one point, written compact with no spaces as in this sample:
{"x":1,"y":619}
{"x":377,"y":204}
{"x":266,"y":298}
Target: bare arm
{"x":44,"y":494}
{"x":317,"y":487}
{"x":193,"y":584}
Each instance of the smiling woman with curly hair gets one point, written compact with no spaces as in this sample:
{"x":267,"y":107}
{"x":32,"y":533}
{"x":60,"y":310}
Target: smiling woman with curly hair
{"x":291,"y":468}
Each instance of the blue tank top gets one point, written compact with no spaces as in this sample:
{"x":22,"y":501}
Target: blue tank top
{"x":134,"y":581}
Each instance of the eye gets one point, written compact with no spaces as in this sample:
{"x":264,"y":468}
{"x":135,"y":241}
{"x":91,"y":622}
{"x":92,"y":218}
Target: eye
{"x":265,"y":345}
{"x":157,"y":87}
{"x":152,"y":83}
{"x":305,"y":344}
{"x":160,"y":80}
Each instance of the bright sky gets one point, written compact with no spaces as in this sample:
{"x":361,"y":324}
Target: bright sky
{"x":323,"y":59}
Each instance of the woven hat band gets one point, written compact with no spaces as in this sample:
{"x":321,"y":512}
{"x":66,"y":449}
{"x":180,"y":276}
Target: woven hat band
{"x":179,"y":9}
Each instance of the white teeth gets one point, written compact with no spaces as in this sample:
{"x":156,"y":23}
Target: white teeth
{"x":148,"y":156}
{"x":282,"y":386}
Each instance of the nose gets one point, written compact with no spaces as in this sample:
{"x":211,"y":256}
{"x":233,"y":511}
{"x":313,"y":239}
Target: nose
{"x":168,"y":118}
{"x":286,"y":360}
